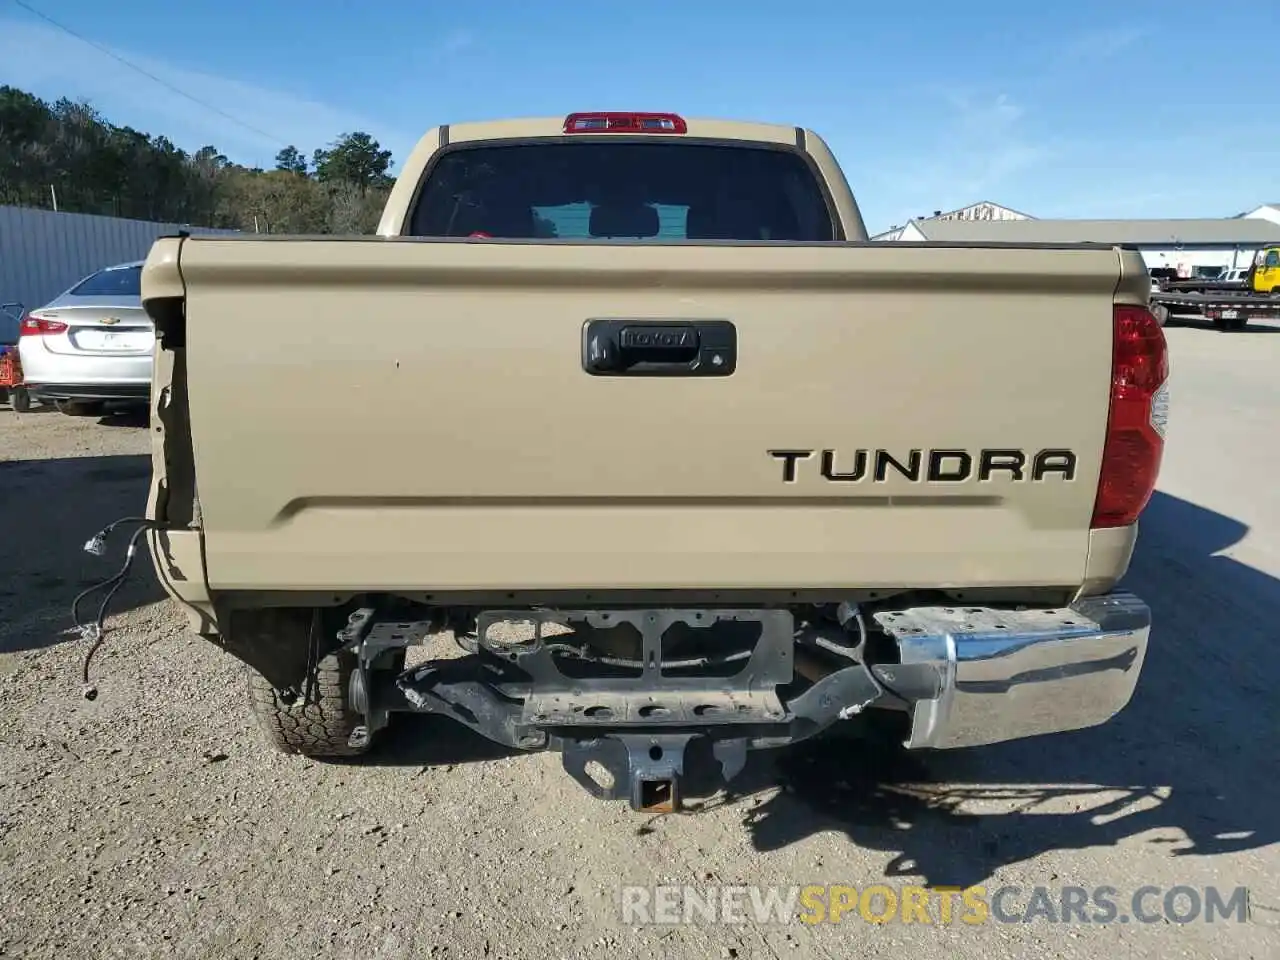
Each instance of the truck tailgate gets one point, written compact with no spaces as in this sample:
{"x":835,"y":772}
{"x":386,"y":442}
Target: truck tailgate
{"x":415,"y":415}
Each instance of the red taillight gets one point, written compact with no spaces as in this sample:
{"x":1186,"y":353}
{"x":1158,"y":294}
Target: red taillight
{"x":625,"y":123}
{"x":1136,"y":423}
{"x":39,"y":326}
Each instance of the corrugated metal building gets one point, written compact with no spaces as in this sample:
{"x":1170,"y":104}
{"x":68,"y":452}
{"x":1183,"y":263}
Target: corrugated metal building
{"x":42,"y":253}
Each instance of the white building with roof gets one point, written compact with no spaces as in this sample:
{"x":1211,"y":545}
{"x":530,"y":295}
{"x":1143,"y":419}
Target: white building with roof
{"x":1202,"y":247}
{"x":1268,"y":211}
{"x":982,"y":211}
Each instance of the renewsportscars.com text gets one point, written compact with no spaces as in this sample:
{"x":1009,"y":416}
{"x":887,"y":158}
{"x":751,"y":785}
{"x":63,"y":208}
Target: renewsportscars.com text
{"x":883,"y":904}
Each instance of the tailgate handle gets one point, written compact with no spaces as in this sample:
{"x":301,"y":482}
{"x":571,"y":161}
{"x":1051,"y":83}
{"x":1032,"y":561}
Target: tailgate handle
{"x":616,"y":346}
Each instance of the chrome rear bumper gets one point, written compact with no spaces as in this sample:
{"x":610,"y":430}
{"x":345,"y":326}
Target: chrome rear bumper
{"x":978,"y":675}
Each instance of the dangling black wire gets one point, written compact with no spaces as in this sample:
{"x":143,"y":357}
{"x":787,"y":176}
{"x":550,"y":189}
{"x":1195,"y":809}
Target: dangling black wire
{"x":94,"y":631}
{"x":313,"y":659}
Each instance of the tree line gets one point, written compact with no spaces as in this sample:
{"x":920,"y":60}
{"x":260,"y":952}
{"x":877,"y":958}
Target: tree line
{"x":69,"y":150}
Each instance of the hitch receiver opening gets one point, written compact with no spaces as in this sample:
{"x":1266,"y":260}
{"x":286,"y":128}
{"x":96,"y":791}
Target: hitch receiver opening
{"x":658,"y":796}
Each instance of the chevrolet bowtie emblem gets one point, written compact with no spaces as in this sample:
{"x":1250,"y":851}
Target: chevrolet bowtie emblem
{"x":109,"y":320}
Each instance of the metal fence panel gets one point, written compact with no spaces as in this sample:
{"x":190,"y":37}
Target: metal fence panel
{"x":42,"y":253}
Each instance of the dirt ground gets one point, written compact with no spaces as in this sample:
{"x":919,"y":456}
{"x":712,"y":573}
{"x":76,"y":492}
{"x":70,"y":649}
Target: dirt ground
{"x":154,"y":821}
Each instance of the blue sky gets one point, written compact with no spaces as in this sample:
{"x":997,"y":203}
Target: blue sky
{"x":1079,"y":109}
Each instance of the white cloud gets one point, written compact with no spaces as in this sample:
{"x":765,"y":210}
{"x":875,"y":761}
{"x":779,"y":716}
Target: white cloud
{"x":1101,"y":44}
{"x":457,"y":40}
{"x":970,"y":148}
{"x":52,"y":64}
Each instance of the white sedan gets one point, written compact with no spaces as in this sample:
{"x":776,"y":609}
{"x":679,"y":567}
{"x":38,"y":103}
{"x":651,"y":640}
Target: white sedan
{"x":92,"y":344}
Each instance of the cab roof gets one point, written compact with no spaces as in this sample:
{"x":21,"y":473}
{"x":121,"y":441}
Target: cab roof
{"x":619,"y":123}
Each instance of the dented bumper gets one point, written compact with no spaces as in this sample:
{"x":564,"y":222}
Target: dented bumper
{"x":978,"y":676}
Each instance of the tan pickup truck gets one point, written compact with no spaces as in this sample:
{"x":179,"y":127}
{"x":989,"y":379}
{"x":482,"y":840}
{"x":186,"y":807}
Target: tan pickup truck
{"x":629,"y":405}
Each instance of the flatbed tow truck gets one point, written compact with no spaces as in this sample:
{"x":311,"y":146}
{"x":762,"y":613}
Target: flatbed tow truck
{"x":1231,"y":307}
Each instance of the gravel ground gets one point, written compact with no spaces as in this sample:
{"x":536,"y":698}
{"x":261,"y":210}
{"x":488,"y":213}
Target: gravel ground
{"x":153,"y":821}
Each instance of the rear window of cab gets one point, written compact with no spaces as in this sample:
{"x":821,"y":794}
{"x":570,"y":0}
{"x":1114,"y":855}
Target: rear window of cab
{"x":669,"y":190}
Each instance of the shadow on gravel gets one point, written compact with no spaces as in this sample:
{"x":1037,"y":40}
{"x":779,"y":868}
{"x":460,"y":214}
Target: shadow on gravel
{"x":133,"y":416}
{"x":36,"y":409}
{"x":1192,"y":757}
{"x":48,"y":509}
{"x":422,"y":740}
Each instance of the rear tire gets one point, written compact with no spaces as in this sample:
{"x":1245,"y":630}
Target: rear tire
{"x":319,"y":727}
{"x":20,"y":399}
{"x":320,"y":720}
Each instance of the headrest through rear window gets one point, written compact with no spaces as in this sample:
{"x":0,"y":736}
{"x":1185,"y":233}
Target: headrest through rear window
{"x":624,"y":220}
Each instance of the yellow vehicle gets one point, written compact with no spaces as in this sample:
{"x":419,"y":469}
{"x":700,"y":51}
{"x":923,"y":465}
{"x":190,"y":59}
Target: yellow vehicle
{"x":1264,"y":277}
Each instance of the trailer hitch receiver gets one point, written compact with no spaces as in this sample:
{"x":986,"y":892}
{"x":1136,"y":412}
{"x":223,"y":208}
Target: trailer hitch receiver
{"x":647,"y":768}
